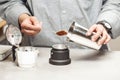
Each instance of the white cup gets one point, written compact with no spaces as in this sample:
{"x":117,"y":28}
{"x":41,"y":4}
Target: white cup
{"x":26,"y":56}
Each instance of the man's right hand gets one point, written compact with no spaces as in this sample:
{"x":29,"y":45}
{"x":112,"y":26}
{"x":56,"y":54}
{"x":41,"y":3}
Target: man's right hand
{"x":29,"y":24}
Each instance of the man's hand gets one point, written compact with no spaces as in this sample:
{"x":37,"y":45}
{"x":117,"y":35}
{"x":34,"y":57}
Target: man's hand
{"x":29,"y":24}
{"x":99,"y":31}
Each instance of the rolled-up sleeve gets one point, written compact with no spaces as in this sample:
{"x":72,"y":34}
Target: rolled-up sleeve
{"x":10,"y":10}
{"x":111,"y":13}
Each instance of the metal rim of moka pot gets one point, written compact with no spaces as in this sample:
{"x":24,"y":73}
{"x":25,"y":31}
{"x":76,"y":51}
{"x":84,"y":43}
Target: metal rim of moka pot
{"x":59,"y":55}
{"x":59,"y":47}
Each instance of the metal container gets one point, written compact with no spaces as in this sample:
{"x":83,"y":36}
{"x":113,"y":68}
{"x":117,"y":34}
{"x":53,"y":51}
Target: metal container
{"x":77,"y":33}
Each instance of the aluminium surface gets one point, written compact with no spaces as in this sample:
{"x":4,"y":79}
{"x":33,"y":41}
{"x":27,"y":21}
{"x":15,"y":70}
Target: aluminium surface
{"x":5,"y":51}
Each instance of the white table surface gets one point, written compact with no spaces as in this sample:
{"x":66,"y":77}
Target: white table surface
{"x":85,"y":65}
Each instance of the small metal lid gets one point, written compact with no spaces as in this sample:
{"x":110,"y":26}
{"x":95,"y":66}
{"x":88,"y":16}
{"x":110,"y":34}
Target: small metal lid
{"x":13,"y":35}
{"x":59,"y":46}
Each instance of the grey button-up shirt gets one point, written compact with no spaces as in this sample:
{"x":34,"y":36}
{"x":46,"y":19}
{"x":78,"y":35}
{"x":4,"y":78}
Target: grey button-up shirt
{"x":59,"y":14}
